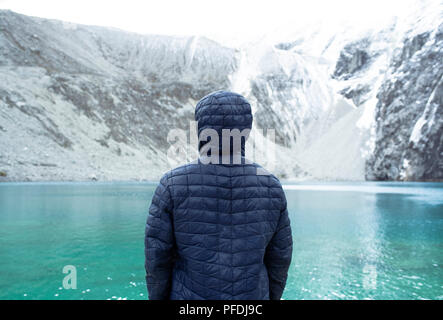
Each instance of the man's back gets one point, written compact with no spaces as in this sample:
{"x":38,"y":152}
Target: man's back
{"x":218,"y":231}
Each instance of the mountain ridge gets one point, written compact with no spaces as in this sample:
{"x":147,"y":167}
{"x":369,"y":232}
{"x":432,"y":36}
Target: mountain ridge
{"x":85,"y":102}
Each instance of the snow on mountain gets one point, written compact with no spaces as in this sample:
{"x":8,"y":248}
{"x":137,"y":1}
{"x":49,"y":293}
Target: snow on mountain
{"x":80,"y":102}
{"x":346,"y":141}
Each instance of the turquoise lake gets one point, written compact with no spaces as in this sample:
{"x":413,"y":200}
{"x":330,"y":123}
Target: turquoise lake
{"x":351,"y":240}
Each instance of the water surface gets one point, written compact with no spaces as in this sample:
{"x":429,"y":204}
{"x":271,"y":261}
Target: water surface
{"x":351,"y":240}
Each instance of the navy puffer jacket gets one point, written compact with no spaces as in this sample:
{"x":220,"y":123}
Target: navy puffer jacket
{"x":218,"y":231}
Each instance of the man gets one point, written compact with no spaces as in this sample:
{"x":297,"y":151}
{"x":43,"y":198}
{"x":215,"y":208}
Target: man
{"x":218,"y":228}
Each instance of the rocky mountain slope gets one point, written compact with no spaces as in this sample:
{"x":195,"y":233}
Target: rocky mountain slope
{"x":409,"y":112}
{"x":79,"y":102}
{"x":82,"y":102}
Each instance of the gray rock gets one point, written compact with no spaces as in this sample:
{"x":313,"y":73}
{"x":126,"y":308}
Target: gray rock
{"x":409,"y":114}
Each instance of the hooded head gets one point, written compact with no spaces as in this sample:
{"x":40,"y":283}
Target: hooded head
{"x":227,"y":115}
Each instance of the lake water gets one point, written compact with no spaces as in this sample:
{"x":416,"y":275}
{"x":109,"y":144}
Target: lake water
{"x":351,"y":240}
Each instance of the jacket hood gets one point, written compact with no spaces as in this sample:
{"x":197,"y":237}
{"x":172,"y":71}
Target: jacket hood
{"x":223,"y":110}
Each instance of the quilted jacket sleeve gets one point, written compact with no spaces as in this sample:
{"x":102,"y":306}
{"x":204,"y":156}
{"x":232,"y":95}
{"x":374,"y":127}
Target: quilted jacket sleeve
{"x":278,"y":255}
{"x":159,"y":244}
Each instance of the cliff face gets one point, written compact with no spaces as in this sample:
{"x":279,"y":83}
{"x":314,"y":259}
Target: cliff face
{"x":409,"y":113}
{"x":82,"y":102}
